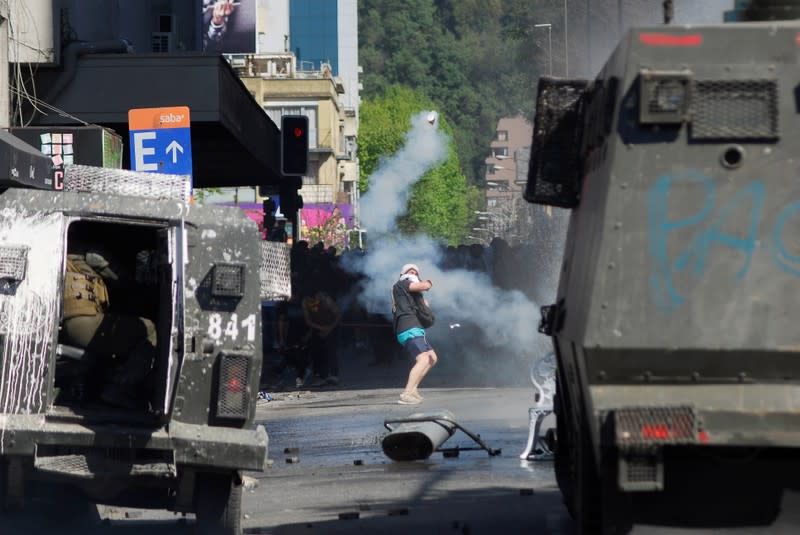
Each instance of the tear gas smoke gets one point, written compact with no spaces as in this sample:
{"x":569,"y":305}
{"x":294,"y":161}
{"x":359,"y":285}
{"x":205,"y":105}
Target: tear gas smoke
{"x":498,"y":336}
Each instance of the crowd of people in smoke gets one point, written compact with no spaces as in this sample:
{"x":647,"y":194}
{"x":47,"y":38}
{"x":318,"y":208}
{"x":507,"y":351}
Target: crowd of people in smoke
{"x":324,"y":321}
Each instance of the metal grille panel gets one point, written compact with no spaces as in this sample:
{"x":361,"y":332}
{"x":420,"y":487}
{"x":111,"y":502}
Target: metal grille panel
{"x":641,"y":471}
{"x":228,"y":280}
{"x":734,"y":109}
{"x":554,"y":171}
{"x":655,"y":425}
{"x":92,"y":463}
{"x":232,"y":401}
{"x":13,"y":262}
{"x":89,"y":179}
{"x":275,"y":271}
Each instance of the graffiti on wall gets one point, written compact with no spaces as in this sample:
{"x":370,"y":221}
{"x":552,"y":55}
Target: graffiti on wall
{"x":692,"y":226}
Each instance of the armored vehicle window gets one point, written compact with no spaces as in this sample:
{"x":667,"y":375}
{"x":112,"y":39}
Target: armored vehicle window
{"x":116,"y":317}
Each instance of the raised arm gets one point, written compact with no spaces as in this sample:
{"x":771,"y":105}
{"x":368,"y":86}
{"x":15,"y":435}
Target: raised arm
{"x":421,"y":286}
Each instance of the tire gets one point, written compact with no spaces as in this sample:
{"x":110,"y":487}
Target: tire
{"x":565,"y":472}
{"x":588,"y":496}
{"x":218,"y":504}
{"x":575,"y":468}
{"x":593,"y":502}
{"x":3,"y":485}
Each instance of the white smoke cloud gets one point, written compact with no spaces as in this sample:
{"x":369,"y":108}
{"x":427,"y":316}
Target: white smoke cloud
{"x":497,"y":327}
{"x":390,"y":186}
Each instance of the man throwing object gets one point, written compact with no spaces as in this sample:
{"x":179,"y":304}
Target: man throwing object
{"x":406,"y":297}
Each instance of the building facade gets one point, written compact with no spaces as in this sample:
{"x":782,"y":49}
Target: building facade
{"x":317,"y":96}
{"x":307,"y":63}
{"x":506,"y":169}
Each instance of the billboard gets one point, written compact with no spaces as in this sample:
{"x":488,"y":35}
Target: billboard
{"x":228,"y":26}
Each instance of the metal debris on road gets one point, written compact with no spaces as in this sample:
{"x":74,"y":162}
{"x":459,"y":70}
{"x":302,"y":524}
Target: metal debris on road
{"x":351,"y":515}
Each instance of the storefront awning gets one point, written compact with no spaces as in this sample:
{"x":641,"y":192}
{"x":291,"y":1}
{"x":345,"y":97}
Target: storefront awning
{"x":234,"y":142}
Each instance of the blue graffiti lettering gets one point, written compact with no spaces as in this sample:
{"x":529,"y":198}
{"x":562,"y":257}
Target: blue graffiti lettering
{"x":788,"y":262}
{"x":659,"y":228}
{"x":749,"y":202}
{"x":701,"y":245}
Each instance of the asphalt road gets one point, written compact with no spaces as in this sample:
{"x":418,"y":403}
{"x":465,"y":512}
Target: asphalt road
{"x":337,"y":479}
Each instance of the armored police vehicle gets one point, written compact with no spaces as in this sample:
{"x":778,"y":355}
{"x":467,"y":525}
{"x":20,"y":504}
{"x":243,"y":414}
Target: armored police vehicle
{"x":675,"y":325}
{"x":181,"y":437}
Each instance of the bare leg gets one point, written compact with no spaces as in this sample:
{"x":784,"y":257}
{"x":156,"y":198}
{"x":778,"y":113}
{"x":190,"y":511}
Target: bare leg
{"x":425,"y":362}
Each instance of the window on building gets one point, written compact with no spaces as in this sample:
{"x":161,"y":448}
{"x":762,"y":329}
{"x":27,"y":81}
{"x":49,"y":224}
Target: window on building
{"x":165,"y":23}
{"x":499,"y":151}
{"x":350,"y":147}
{"x":501,"y":185}
{"x":161,"y":39}
{"x":490,"y":169}
{"x":276,"y":112}
{"x":160,"y":42}
{"x":311,"y":178}
{"x":491,"y":203}
{"x":502,"y":135}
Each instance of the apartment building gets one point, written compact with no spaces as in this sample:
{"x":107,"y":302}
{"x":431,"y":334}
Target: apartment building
{"x":283,"y":90}
{"x":506,"y":168}
{"x":306,"y":63}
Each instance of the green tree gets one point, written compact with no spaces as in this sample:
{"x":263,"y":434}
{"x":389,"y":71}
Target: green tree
{"x":472,"y":58}
{"x":201,"y":194}
{"x":441,"y":203}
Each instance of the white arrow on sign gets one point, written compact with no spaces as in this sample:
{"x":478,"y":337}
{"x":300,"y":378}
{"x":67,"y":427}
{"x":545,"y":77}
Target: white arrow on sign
{"x":174,"y":147}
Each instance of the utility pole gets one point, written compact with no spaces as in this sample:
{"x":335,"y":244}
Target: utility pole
{"x":5,"y":96}
{"x":566,"y":43}
{"x":589,"y":36}
{"x":549,"y":45}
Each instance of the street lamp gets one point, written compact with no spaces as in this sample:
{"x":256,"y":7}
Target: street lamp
{"x":549,"y":45}
{"x":566,"y":47}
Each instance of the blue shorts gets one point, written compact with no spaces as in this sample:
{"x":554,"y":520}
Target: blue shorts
{"x":417,"y":345}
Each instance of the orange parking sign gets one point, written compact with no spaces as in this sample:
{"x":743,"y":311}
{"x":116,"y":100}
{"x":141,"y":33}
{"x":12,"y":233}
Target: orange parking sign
{"x":160,"y":140}
{"x":157,"y":118}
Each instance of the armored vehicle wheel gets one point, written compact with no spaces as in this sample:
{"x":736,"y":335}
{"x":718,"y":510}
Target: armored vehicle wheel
{"x":586,"y":485}
{"x":3,"y":485}
{"x":563,"y":459}
{"x":218,"y":504}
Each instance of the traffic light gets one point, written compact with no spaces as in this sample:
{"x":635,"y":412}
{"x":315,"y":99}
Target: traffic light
{"x":294,"y":145}
{"x":269,"y":216}
{"x":291,"y":201}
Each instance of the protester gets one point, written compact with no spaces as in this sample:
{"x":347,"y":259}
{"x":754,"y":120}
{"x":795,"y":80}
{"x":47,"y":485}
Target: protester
{"x":322,"y":317}
{"x":406,"y":298}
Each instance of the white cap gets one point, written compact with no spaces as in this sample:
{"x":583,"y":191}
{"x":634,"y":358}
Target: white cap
{"x":406,"y":267}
